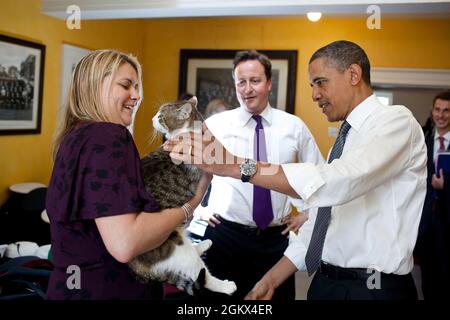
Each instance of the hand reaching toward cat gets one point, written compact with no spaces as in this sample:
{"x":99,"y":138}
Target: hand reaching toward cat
{"x":204,"y":151}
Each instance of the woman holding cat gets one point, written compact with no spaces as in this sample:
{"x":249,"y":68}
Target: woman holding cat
{"x":96,"y":200}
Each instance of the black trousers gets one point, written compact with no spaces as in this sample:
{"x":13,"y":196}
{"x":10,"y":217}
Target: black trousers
{"x":244,"y":254}
{"x":335,"y":283}
{"x":434,"y":259}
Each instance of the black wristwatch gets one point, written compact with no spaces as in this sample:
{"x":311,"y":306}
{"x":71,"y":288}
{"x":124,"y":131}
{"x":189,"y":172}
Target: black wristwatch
{"x":248,"y":169}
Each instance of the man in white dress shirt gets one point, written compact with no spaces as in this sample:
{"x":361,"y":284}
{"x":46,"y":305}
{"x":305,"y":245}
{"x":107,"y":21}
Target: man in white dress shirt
{"x":241,"y":250}
{"x":375,"y":188}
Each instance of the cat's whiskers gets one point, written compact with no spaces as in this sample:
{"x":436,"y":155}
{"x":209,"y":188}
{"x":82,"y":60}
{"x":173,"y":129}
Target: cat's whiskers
{"x":153,"y":135}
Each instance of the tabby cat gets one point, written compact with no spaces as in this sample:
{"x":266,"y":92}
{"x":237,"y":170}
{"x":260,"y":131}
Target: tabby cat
{"x":176,"y":261}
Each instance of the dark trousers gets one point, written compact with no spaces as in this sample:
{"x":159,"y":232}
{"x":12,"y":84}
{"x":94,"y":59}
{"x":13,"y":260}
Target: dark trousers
{"x":433,"y":251}
{"x":244,"y":254}
{"x":334,"y":283}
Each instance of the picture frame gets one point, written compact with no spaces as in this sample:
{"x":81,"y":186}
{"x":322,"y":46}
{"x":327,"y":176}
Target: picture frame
{"x":208,"y":75}
{"x":21,"y":85}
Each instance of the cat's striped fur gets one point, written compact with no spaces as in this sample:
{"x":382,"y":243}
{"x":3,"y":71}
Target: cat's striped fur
{"x":176,"y":261}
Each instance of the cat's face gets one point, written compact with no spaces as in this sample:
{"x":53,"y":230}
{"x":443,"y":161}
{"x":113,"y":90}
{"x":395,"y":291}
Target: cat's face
{"x":176,"y":117}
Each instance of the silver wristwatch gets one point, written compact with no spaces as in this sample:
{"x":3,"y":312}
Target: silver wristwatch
{"x":248,"y":169}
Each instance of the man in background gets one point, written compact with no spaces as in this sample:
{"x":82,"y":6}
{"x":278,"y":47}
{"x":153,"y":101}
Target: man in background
{"x":433,"y":245}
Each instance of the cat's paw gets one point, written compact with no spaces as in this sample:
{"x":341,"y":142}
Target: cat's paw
{"x":228,"y":287}
{"x":203,"y":246}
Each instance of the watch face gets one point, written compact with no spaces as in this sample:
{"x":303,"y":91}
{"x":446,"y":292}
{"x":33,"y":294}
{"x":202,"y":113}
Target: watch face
{"x":248,"y":168}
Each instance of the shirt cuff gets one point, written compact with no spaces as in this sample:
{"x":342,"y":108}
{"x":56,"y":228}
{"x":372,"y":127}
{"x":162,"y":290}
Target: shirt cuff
{"x":304,"y":178}
{"x":296,"y":252}
{"x":299,"y":204}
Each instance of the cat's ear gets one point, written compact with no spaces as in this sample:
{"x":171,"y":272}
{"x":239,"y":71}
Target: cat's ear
{"x":194,"y":101}
{"x":185,"y":111}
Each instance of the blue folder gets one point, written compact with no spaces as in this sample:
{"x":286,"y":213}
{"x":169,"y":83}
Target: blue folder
{"x":443,"y":162}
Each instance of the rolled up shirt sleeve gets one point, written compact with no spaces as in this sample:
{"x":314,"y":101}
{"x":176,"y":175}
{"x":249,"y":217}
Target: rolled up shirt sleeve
{"x":305,"y":179}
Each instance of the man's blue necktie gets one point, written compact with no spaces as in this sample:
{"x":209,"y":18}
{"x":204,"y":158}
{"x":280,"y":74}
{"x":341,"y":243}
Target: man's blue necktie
{"x":262,"y":203}
{"x":314,"y":253}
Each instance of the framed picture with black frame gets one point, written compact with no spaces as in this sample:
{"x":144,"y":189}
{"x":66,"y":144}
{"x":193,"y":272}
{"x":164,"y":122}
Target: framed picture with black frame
{"x":21,"y":85}
{"x":208,"y":75}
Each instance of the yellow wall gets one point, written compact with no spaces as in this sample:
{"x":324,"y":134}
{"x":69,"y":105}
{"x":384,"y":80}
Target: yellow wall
{"x":400,"y":43}
{"x":27,"y":157}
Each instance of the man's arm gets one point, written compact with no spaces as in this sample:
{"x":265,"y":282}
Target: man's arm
{"x":271,"y":176}
{"x":264,"y":288}
{"x":210,"y":155}
{"x":385,"y":153}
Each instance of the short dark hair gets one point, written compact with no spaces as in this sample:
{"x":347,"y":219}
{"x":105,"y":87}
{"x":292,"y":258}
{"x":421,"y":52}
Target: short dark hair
{"x":245,"y":55}
{"x":341,"y":54}
{"x":444,"y":95}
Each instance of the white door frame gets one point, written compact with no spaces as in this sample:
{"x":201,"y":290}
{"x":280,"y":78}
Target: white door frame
{"x":411,"y":77}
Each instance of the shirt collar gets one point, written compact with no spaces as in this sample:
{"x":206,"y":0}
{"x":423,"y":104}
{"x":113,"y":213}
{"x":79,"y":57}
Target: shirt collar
{"x":244,"y":116}
{"x":360,"y":113}
{"x":446,"y":136}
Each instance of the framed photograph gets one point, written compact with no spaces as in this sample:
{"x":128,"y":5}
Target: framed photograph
{"x":208,"y":75}
{"x":70,"y":57}
{"x":21,"y":85}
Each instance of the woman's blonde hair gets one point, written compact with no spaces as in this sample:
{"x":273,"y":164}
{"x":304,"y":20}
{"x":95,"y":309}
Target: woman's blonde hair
{"x":83,"y":102}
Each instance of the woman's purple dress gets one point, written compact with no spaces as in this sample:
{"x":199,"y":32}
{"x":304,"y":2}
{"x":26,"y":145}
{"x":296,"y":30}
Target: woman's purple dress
{"x":96,"y":174}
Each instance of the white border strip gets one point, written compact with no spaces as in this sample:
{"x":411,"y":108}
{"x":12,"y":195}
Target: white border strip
{"x":432,"y":78}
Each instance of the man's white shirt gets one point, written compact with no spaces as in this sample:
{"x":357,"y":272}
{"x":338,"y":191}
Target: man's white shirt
{"x":437,"y":143}
{"x":287,"y":140}
{"x":376,"y":190}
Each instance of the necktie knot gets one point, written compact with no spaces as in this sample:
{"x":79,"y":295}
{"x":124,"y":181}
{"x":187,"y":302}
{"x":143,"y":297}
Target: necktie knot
{"x":338,"y":146}
{"x":344,"y":129}
{"x":258,"y":120}
{"x":441,"y":143}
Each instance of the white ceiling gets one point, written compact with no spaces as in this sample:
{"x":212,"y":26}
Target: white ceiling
{"x":122,"y":9}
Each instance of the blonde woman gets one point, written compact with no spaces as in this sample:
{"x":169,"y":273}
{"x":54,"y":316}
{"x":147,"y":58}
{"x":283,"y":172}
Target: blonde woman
{"x":96,"y":200}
